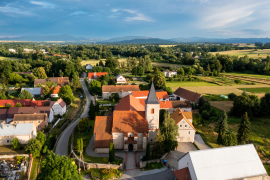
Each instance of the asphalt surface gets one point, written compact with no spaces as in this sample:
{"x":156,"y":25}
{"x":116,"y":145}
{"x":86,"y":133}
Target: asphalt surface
{"x":62,"y":145}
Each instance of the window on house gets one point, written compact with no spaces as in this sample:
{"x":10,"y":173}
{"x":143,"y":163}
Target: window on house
{"x":188,"y":132}
{"x":181,"y":125}
{"x":185,"y":125}
{"x":38,"y":121}
{"x":38,"y":127}
{"x":8,"y":141}
{"x":152,"y":111}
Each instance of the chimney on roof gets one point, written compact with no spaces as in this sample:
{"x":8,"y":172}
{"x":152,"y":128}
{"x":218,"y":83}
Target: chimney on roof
{"x":165,"y":102}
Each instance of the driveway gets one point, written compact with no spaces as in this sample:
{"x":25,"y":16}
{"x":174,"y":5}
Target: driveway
{"x":182,"y":149}
{"x":62,"y":145}
{"x":200,"y":143}
{"x":136,"y":175}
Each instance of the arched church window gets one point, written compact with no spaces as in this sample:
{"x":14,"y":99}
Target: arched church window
{"x":152,"y":111}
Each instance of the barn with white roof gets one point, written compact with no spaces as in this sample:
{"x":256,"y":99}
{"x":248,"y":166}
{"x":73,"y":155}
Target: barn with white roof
{"x":228,"y":163}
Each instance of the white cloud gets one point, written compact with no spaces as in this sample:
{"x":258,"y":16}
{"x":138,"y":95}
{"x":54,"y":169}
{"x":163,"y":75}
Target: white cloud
{"x":114,"y":10}
{"x":13,"y":10}
{"x":138,"y":16}
{"x":112,"y":16}
{"x":43,"y":4}
{"x":78,"y":13}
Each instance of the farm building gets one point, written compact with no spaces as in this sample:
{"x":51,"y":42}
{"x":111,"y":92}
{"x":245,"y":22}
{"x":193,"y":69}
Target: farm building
{"x":120,"y":79}
{"x":122,"y":90}
{"x":235,"y":162}
{"x":184,"y":94}
{"x":169,"y":73}
{"x":60,"y":81}
{"x":24,"y":132}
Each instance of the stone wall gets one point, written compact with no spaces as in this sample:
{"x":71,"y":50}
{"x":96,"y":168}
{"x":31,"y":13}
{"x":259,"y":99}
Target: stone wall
{"x":87,"y":166}
{"x":143,"y":163}
{"x":12,"y":156}
{"x":118,"y":140}
{"x":101,"y":150}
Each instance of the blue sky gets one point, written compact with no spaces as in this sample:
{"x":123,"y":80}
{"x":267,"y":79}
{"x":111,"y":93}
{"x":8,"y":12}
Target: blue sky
{"x":153,"y":18}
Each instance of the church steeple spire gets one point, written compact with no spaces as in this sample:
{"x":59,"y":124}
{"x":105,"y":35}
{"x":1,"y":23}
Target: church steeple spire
{"x":152,"y":97}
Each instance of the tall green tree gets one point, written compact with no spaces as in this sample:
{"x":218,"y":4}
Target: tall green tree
{"x":15,"y":143}
{"x":111,"y":152}
{"x":24,"y":94}
{"x":148,"y":151}
{"x":66,"y":94}
{"x":58,"y":167}
{"x":140,"y":70}
{"x":223,"y":124}
{"x":40,"y":73}
{"x":159,"y":80}
{"x":33,"y":147}
{"x":158,"y":147}
{"x":41,"y":137}
{"x":265,"y":105}
{"x":244,"y":129}
{"x":246,"y":103}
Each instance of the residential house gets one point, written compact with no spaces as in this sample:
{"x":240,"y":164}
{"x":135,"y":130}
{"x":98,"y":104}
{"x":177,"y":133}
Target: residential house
{"x":120,"y":79}
{"x":88,"y":67}
{"x":95,"y":75}
{"x":169,"y":73}
{"x":132,"y":125}
{"x":55,"y":91}
{"x":54,"y":54}
{"x":186,"y":129}
{"x":122,"y":90}
{"x":227,"y":163}
{"x":29,"y":50}
{"x":35,"y":92}
{"x":184,"y":94}
{"x":24,"y":132}
{"x":40,"y":120}
{"x":12,"y":50}
{"x":59,"y":107}
{"x":60,"y":81}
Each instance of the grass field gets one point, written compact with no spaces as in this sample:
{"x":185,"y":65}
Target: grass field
{"x":222,"y":105}
{"x":7,"y":150}
{"x":244,"y":44}
{"x":250,"y":52}
{"x":34,"y":169}
{"x":175,"y":84}
{"x":10,"y":58}
{"x":167,"y":45}
{"x":256,"y":90}
{"x":249,"y":75}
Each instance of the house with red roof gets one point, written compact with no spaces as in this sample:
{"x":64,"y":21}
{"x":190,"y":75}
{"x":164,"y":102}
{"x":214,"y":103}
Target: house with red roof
{"x":95,"y":75}
{"x":55,"y":91}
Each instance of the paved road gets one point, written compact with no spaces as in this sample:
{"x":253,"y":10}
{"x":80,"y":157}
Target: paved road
{"x":136,"y":175}
{"x":200,"y":143}
{"x":62,"y":145}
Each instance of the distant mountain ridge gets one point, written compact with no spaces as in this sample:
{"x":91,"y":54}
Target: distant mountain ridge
{"x":132,"y":39}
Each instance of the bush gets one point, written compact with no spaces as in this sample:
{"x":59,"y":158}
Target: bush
{"x":213,"y":113}
{"x":114,"y":97}
{"x":83,"y":124}
{"x":231,"y":96}
{"x":19,"y":159}
{"x":205,"y":115}
{"x":15,"y":143}
{"x":106,"y":160}
{"x":206,"y":106}
{"x":237,"y":81}
{"x":153,"y":165}
{"x":118,"y":161}
{"x":213,"y":119}
{"x":230,"y":139}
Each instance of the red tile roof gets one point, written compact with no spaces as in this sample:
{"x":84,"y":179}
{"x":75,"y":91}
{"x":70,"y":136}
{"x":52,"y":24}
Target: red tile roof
{"x":30,"y":117}
{"x":186,"y":94}
{"x":129,"y":121}
{"x":103,"y":131}
{"x":160,"y":95}
{"x":91,"y":75}
{"x":55,"y":90}
{"x":61,"y":102}
{"x":129,"y":103}
{"x":3,"y":114}
{"x":182,"y":174}
{"x":178,"y":115}
{"x":40,"y":103}
{"x":13,"y":102}
{"x":120,"y":88}
{"x":163,"y":104}
{"x":28,"y":110}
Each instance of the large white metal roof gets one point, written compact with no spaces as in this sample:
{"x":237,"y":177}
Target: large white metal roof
{"x":33,"y":91}
{"x":14,"y":130}
{"x":234,"y":162}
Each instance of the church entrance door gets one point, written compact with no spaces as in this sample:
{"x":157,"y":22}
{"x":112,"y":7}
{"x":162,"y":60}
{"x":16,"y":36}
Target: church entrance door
{"x":130,"y":147}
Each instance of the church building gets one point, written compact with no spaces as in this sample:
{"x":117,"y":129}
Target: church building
{"x":132,"y":125}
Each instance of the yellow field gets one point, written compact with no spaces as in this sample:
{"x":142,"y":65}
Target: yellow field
{"x":244,"y":44}
{"x":10,"y":58}
{"x":93,"y":62}
{"x":250,"y":52}
{"x":167,"y":45}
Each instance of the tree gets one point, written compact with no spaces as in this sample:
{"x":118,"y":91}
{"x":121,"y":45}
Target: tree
{"x":140,"y":71}
{"x":117,"y":71}
{"x":44,"y":149}
{"x":243,"y":131}
{"x":91,"y":112}
{"x":33,"y":147}
{"x":229,"y":139}
{"x":159,"y":80}
{"x":111,"y":63}
{"x":58,"y":167}
{"x":111,"y":153}
{"x":114,"y":97}
{"x":147,"y":151}
{"x":41,"y":137}
{"x":231,"y":96}
{"x":66,"y":94}
{"x":40,"y":73}
{"x":219,"y":139}
{"x":25,"y":94}
{"x":246,"y":103}
{"x":181,"y":71}
{"x":46,"y":91}
{"x":3,"y":94}
{"x":158,"y":147}
{"x":265,"y":104}
{"x":61,"y":73}
{"x":134,"y":71}
{"x":15,"y":143}
{"x":8,"y":105}
{"x":18,"y":104}
{"x":108,"y":70}
{"x":97,"y":69}
{"x":169,"y":130}
{"x":83,"y":124}
{"x":223,"y":125}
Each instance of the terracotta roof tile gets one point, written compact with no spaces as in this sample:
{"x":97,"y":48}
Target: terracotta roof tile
{"x":103,"y":131}
{"x":182,"y":174}
{"x":91,"y":75}
{"x":181,"y":104}
{"x":61,"y":102}
{"x":163,"y":104}
{"x":129,"y":121}
{"x":40,"y":103}
{"x":55,"y":90}
{"x":61,"y":81}
{"x":120,"y":88}
{"x":160,"y":95}
{"x":129,"y":103}
{"x":13,"y":102}
{"x":186,"y":94}
{"x":30,"y":117}
{"x":178,"y":115}
{"x":28,"y":110}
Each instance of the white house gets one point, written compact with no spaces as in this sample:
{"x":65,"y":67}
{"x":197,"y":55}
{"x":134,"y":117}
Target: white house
{"x":169,"y":73}
{"x":28,"y":50}
{"x":120,"y":79}
{"x":59,"y":107}
{"x":88,"y":67}
{"x":235,"y":162}
{"x":24,"y":132}
{"x":35,"y":92}
{"x":12,"y":50}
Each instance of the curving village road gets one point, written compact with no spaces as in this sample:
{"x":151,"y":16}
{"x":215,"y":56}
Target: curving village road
{"x":62,"y":145}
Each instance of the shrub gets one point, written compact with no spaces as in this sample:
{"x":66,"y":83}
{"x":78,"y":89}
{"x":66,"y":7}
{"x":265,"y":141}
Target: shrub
{"x":205,"y":115}
{"x":111,"y":152}
{"x":114,"y":97}
{"x":230,"y":139}
{"x":83,"y":124}
{"x":213,"y":119}
{"x":15,"y":143}
{"x":8,"y":105}
{"x":118,"y":161}
{"x":237,"y":81}
{"x":206,"y":106}
{"x":153,"y":165}
{"x":106,"y":160}
{"x":231,"y":96}
{"x":19,"y":159}
{"x":213,"y":113}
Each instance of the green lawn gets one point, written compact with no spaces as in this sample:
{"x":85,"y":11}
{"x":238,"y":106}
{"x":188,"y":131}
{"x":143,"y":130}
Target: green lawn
{"x":107,"y":101}
{"x":248,"y":75}
{"x":256,"y":90}
{"x":188,"y":84}
{"x":34,"y":169}
{"x":10,"y":58}
{"x":6,"y":150}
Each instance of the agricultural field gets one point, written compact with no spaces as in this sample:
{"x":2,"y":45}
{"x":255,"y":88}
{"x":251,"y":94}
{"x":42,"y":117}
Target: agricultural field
{"x":167,"y":45}
{"x":249,"y":75}
{"x":244,"y":44}
{"x":161,"y":64}
{"x":222,"y":105}
{"x":175,"y":84}
{"x":10,"y":58}
{"x":250,"y":52}
{"x":256,"y":90}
